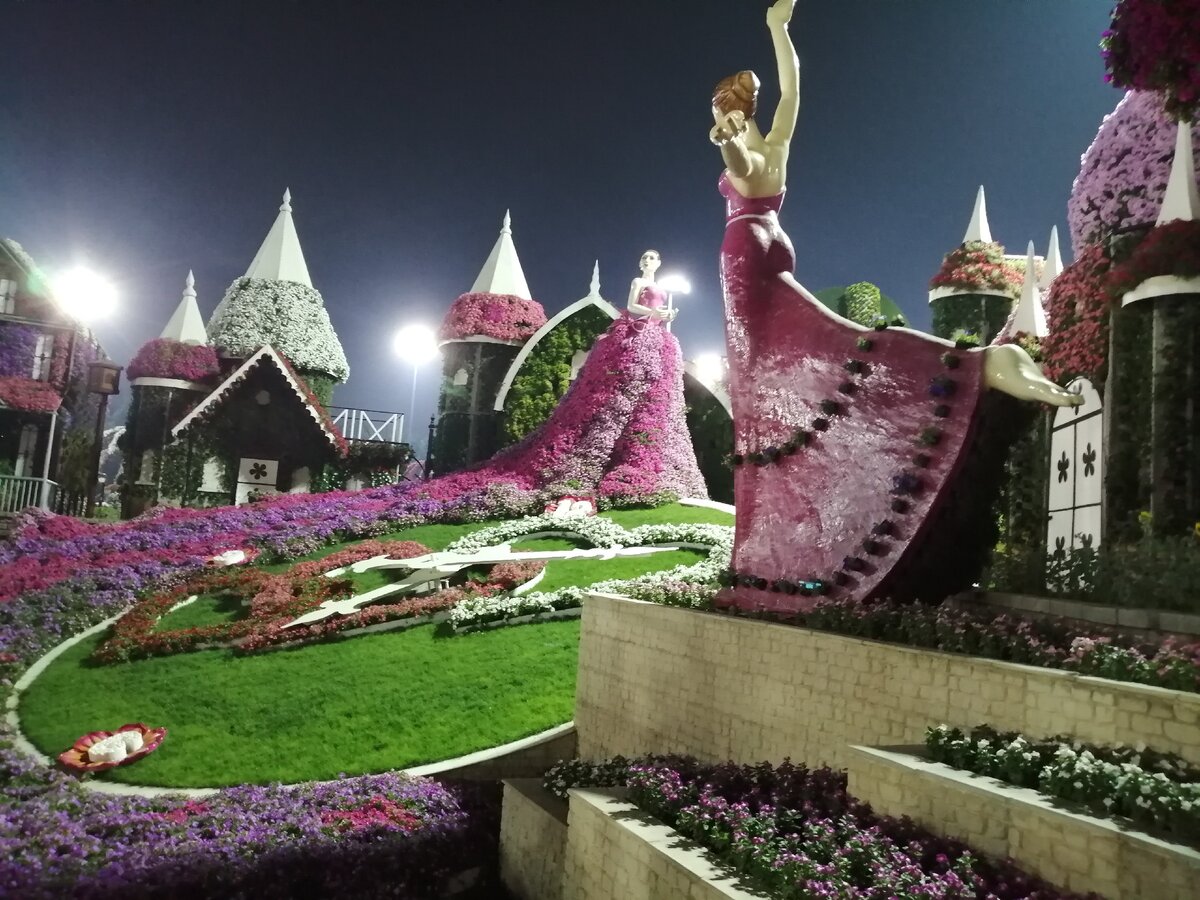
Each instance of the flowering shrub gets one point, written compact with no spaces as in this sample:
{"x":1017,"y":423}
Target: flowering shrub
{"x":795,"y":832}
{"x":1170,"y":249}
{"x":979,"y":266}
{"x":165,"y":358}
{"x":28,"y":395}
{"x":1154,"y":45}
{"x":18,"y":343}
{"x":504,"y":317}
{"x":1158,"y":791}
{"x":1123,"y":175}
{"x":372,"y":836}
{"x":1049,"y":643}
{"x":1077,"y":312}
{"x":288,"y":316}
{"x":683,"y":585}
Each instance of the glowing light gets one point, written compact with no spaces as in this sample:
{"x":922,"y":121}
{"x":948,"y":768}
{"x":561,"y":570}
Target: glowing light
{"x":711,"y":368}
{"x":415,"y":344}
{"x":675,"y":284}
{"x":84,"y":295}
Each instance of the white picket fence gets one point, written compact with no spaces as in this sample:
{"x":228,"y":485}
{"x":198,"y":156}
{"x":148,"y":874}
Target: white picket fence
{"x":17,"y":494}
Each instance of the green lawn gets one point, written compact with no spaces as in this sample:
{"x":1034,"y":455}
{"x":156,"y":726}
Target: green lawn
{"x":356,"y":705}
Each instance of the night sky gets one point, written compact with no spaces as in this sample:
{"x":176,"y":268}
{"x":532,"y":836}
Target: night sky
{"x":147,"y":138}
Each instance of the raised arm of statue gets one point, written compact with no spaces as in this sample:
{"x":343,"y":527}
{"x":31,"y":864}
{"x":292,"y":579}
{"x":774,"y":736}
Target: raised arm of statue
{"x":786,"y":113}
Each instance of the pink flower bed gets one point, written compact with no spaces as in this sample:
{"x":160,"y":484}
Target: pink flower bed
{"x":28,"y":395}
{"x":165,"y":358}
{"x":979,"y":266}
{"x":501,"y":316}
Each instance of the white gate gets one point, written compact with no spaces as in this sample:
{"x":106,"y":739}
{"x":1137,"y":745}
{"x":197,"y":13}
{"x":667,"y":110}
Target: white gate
{"x":1076,"y":473}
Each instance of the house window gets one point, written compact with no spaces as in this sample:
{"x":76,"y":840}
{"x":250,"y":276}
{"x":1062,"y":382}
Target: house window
{"x":41,"y":357}
{"x":26,"y":449}
{"x":8,"y":296}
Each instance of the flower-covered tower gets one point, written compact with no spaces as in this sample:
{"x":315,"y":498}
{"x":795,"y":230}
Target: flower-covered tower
{"x":168,"y":376}
{"x":972,"y":295}
{"x":480,"y":337}
{"x":275,"y":304}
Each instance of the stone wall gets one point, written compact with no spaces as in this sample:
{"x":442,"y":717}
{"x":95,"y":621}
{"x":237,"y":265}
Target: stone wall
{"x":1079,"y":852}
{"x":533,"y":840}
{"x":617,"y":852}
{"x":658,"y":679}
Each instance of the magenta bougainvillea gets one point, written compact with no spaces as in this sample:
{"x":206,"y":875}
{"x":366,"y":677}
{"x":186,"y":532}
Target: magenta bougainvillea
{"x":1154,"y":45}
{"x":620,"y":430}
{"x":504,"y":317}
{"x":1171,"y":249}
{"x":979,"y":266}
{"x":1123,"y":175}
{"x":28,"y":395}
{"x":165,"y":358}
{"x":1077,"y":311}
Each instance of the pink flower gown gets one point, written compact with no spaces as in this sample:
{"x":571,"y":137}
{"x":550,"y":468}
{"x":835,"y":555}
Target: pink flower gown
{"x":619,"y":430}
{"x":848,"y":442}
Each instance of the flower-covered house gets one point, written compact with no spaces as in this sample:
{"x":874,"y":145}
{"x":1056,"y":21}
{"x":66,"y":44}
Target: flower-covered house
{"x":239,"y":408}
{"x":44,"y":356}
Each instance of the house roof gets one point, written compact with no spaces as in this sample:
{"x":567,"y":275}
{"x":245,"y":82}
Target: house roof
{"x":185,"y":325}
{"x":264,"y":356}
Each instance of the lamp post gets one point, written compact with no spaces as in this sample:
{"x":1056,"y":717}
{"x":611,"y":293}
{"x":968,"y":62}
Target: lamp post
{"x":104,"y":378}
{"x":674,"y":284}
{"x":416,"y":345}
{"x":82,"y":295}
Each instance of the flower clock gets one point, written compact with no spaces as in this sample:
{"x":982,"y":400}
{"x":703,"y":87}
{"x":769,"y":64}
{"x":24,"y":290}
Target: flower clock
{"x":101,"y":750}
{"x":312,"y":601}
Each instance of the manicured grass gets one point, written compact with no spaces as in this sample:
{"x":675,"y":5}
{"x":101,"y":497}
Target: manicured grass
{"x":208,"y":609}
{"x":360,"y":704}
{"x":364,"y":704}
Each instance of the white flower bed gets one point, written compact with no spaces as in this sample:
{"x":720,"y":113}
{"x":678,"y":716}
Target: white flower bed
{"x":717,"y":539}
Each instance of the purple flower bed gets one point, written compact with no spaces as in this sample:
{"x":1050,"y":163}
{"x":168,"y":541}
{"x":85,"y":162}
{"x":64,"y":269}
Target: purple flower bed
{"x":795,"y":832}
{"x":379,"y":835}
{"x":165,"y":358}
{"x":17,"y":345}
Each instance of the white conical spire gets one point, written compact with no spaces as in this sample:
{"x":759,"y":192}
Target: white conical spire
{"x":979,"y":230}
{"x":1182,"y":200}
{"x":186,"y":324}
{"x":280,"y":257}
{"x":502,"y":273}
{"x":1029,"y":316}
{"x":594,"y":287}
{"x":1053,"y":266}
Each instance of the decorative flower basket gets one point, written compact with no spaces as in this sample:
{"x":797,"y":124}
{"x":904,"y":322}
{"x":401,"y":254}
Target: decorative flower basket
{"x":1161,"y":286}
{"x":101,"y":750}
{"x":234,"y":557}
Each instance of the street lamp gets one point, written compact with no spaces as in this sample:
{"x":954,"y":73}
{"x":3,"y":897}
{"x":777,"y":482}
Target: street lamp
{"x":711,"y":368}
{"x":674,"y":284}
{"x":416,"y":345}
{"x":82,"y":295}
{"x":104,"y":378}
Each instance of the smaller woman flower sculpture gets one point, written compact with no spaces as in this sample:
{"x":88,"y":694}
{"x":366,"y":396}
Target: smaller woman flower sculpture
{"x":867,"y":459}
{"x":646,"y":299}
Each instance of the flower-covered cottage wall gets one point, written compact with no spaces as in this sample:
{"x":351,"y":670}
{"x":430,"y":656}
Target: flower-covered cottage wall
{"x":1144,"y":359}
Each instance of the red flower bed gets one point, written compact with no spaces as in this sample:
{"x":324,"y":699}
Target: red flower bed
{"x":28,"y":395}
{"x":502,"y":316}
{"x":276,"y":600}
{"x":979,"y":266}
{"x":1077,"y":311}
{"x":1171,"y":249}
{"x":1155,"y":45}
